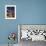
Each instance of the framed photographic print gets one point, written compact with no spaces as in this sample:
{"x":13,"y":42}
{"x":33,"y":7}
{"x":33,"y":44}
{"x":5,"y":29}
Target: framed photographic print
{"x":10,"y":11}
{"x":33,"y":32}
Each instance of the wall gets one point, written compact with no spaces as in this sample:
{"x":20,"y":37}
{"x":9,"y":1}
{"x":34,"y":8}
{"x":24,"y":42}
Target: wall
{"x":27,"y":12}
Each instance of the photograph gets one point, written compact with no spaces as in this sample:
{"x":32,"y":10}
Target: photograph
{"x":10,"y":11}
{"x":30,"y":33}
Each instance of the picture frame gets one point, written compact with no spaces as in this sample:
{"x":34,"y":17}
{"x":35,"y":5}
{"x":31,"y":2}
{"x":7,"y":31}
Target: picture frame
{"x":36,"y":32}
{"x":10,"y":11}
